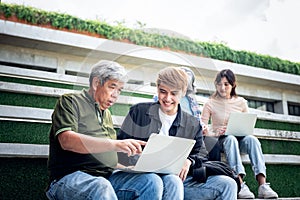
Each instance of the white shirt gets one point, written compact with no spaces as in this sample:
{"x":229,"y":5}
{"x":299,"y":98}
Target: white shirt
{"x":167,"y":121}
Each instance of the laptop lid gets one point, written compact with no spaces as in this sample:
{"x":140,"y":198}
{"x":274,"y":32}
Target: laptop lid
{"x":241,"y":124}
{"x":163,"y":154}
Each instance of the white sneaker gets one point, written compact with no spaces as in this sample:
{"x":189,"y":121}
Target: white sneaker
{"x":245,"y":193}
{"x":266,"y":192}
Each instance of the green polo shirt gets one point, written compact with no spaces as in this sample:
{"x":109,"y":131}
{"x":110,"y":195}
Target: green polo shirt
{"x":80,"y":113}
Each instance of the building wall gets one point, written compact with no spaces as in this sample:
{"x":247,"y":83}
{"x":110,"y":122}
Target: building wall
{"x":24,"y":46}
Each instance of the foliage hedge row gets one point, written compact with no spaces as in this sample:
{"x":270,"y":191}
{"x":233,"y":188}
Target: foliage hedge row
{"x":137,"y":36}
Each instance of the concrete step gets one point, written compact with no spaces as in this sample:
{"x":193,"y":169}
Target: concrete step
{"x":281,"y":198}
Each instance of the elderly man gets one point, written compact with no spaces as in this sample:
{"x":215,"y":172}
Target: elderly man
{"x":83,"y":145}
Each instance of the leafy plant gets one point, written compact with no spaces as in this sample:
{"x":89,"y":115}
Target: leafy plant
{"x":140,"y":37}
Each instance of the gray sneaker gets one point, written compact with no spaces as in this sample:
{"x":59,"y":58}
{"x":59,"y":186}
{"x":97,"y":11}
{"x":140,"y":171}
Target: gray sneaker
{"x":245,"y":193}
{"x":266,"y":192}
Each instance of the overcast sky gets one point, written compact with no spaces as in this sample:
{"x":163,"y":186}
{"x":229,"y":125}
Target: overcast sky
{"x":268,"y":27}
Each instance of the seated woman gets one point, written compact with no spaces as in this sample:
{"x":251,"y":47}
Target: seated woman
{"x":224,"y":101}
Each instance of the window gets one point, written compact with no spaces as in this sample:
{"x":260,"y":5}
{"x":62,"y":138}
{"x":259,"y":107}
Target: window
{"x":261,"y":105}
{"x":294,"y":109}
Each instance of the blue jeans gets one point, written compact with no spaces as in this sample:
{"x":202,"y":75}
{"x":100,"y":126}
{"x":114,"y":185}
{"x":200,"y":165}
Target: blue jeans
{"x":216,"y":187}
{"x":250,"y":145}
{"x":168,"y":187}
{"x":121,"y":185}
{"x":80,"y":185}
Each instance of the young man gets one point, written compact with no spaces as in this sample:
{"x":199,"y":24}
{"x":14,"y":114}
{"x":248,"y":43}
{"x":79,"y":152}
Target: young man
{"x":83,"y":145}
{"x":166,"y":117}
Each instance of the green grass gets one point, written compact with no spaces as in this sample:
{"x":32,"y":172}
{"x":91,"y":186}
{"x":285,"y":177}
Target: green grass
{"x":277,"y":125}
{"x":280,"y":147}
{"x":62,"y":85}
{"x":23,"y":179}
{"x":40,"y":101}
{"x":40,"y":83}
{"x":37,"y":133}
{"x":24,"y":132}
{"x":27,"y":179}
{"x":284,"y":179}
{"x":27,"y":100}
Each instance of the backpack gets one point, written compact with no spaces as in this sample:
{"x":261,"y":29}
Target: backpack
{"x":211,"y":168}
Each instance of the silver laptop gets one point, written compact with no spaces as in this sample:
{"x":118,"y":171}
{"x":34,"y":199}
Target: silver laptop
{"x":241,"y":124}
{"x":163,"y":154}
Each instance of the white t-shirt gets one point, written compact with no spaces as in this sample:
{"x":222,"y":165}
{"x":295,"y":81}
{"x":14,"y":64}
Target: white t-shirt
{"x":167,"y":121}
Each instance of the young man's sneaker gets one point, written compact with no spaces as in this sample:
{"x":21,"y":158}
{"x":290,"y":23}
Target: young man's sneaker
{"x":245,"y":193}
{"x":265,"y":192}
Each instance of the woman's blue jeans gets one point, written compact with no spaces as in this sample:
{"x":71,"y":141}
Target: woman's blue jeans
{"x":233,"y":146}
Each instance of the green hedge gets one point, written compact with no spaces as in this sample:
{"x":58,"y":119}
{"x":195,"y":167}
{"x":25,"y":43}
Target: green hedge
{"x":102,"y":29}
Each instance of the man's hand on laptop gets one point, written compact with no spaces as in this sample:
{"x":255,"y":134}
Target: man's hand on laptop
{"x":120,"y":166}
{"x":129,"y":146}
{"x":185,"y":169}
